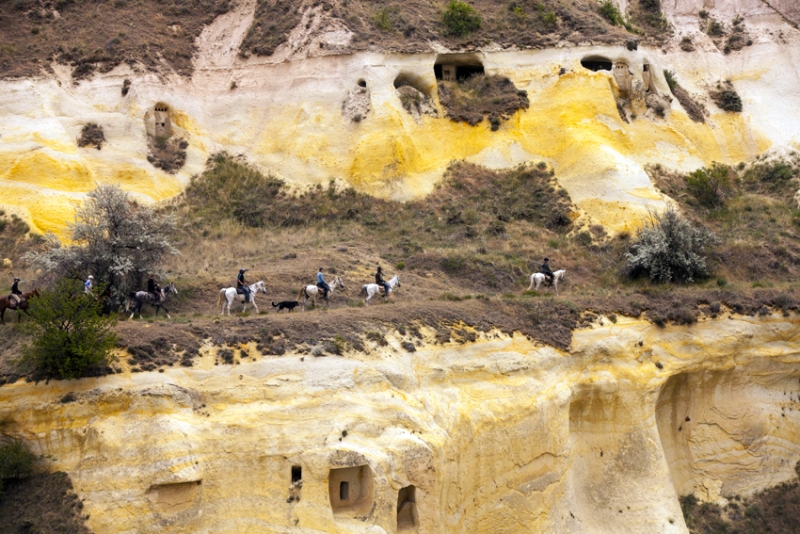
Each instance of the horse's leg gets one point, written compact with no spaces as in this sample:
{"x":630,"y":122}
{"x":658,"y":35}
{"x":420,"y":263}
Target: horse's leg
{"x":165,"y":311}
{"x":555,"y":284}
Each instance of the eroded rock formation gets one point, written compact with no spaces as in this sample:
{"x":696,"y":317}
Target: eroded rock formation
{"x":499,"y":435}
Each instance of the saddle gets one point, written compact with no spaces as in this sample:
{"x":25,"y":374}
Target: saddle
{"x":240,"y":291}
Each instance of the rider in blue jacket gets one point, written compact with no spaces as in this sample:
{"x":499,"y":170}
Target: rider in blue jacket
{"x":322,"y":284}
{"x":241,"y":284}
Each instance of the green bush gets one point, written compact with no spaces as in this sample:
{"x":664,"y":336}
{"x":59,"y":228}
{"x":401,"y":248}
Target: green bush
{"x":383,"y":19}
{"x":671,"y":80}
{"x":710,"y":186}
{"x":715,"y":28}
{"x":16,"y":461}
{"x":609,"y":10}
{"x":650,"y":5}
{"x":728,"y":99}
{"x":670,"y":249}
{"x":460,"y":18}
{"x":70,"y":336}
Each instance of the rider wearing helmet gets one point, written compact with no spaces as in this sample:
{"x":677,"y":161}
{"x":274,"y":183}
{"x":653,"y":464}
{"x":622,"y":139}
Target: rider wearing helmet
{"x":242,"y":284}
{"x":381,"y":282}
{"x":88,"y":285}
{"x":16,"y":295}
{"x":153,"y":288}
{"x":545,"y":270}
{"x":322,"y":284}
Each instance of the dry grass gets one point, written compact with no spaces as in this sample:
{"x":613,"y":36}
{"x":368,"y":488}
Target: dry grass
{"x":97,"y":36}
{"x":479,"y":97}
{"x":42,"y":504}
{"x":759,"y":225}
{"x":775,"y":510}
{"x":412,"y":26}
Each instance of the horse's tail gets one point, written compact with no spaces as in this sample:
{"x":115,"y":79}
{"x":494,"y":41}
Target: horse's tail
{"x":131,"y":295}
{"x":219,"y":300}
{"x":302,"y":292}
{"x":364,"y":290}
{"x":530,"y":286}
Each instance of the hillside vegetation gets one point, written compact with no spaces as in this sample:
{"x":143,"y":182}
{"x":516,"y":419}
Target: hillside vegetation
{"x":414,"y":25}
{"x":97,"y":36}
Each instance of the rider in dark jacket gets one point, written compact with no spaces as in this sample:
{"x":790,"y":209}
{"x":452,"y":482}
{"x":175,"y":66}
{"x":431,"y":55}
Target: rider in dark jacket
{"x":381,"y":282}
{"x":153,"y":289}
{"x":16,"y":295}
{"x":241,"y":284}
{"x":545,"y":270}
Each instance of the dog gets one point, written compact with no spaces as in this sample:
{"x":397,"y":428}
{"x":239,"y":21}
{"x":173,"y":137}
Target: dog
{"x":285,"y":305}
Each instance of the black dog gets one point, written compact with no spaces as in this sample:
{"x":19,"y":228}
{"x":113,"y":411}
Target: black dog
{"x":285,"y":305}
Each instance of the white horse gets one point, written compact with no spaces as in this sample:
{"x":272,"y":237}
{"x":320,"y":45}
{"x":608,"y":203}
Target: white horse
{"x":231,"y":294}
{"x":538,"y":278}
{"x":370,"y":290}
{"x":140,"y":298}
{"x":311,"y":292}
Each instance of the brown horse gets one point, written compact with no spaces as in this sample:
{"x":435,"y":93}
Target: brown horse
{"x":21,"y":307}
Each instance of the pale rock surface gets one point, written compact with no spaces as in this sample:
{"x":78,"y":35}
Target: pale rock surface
{"x":285,"y":116}
{"x":497,"y":436}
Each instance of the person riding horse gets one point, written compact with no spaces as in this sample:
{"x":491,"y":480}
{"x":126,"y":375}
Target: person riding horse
{"x":322,"y":284}
{"x":242,"y":284}
{"x":381,"y":282}
{"x":16,"y":295}
{"x":153,"y":288}
{"x":545,"y":270}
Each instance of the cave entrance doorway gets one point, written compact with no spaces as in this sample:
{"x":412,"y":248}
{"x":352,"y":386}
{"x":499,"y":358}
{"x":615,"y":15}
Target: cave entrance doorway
{"x":457,"y":67}
{"x":351,"y":490}
{"x":407,"y":518}
{"x":596,"y":63}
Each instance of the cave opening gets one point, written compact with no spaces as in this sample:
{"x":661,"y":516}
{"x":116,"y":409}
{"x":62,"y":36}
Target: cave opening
{"x":596,"y":63}
{"x":407,"y":518}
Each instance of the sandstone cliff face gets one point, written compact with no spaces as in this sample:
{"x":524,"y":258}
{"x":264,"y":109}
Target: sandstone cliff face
{"x":285,"y":114}
{"x":500,"y":435}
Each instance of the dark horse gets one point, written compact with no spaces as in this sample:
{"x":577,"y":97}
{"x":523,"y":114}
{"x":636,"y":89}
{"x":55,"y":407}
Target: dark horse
{"x":21,"y":307}
{"x":140,"y":298}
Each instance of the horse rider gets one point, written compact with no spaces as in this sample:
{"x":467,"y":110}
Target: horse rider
{"x":545,"y":270}
{"x":153,"y":288}
{"x":322,"y":284}
{"x":242,"y":284}
{"x":16,"y":295}
{"x":88,"y":285}
{"x":381,"y":282}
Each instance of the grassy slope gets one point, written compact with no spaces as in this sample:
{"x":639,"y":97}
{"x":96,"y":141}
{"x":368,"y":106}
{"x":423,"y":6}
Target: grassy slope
{"x":99,"y":35}
{"x":412,"y":26}
{"x":41,"y":504}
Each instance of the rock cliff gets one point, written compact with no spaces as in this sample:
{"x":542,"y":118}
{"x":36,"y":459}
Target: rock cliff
{"x":498,"y":435}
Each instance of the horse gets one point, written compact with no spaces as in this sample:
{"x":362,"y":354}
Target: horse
{"x":145,"y":297}
{"x":370,"y":290}
{"x":21,"y":307}
{"x":230,"y":294}
{"x":537,"y":278}
{"x":312,"y":291}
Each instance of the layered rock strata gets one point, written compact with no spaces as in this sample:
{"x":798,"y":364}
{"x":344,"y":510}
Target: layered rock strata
{"x":499,"y":435}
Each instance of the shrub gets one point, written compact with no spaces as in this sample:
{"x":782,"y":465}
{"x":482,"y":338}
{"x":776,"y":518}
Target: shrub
{"x":16,"y":461}
{"x":671,"y":80}
{"x":728,"y":99}
{"x":383,"y":19}
{"x":92,"y":134}
{"x":609,"y":10}
{"x":116,"y":240}
{"x":710,"y":186}
{"x":715,"y":28}
{"x":70,"y":336}
{"x":460,"y":18}
{"x":670,"y":249}
{"x":650,"y":5}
